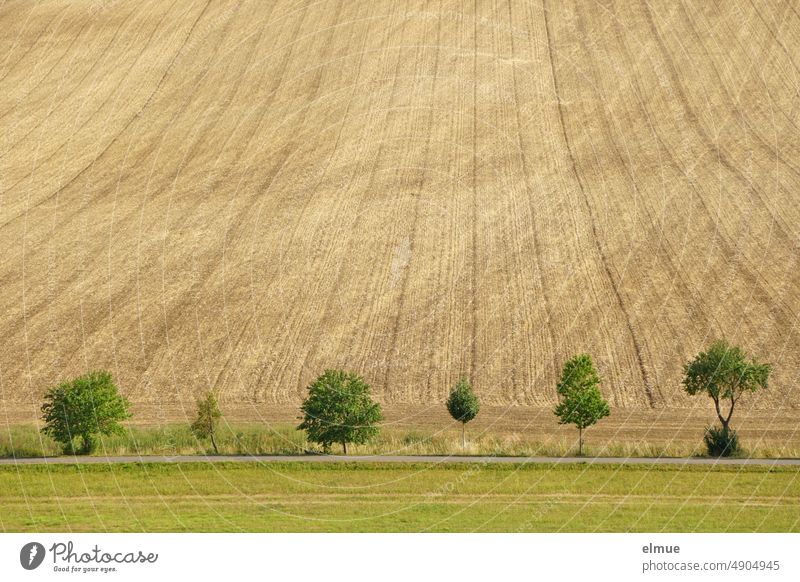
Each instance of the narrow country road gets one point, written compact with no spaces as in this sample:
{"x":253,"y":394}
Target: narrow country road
{"x":395,"y":459}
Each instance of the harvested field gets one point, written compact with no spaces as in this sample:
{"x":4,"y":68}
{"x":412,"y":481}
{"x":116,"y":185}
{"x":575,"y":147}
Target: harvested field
{"x":237,"y":196}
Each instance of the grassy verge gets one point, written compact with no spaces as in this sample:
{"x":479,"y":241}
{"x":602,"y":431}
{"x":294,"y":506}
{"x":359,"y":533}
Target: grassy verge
{"x":26,"y":441}
{"x":423,"y":497}
{"x":175,"y":439}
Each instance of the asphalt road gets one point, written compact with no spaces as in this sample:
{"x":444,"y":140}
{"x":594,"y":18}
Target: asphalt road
{"x":395,"y":459}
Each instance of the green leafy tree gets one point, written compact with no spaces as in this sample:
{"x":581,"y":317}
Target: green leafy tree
{"x":725,"y":373}
{"x":85,"y":407}
{"x":207,"y":421}
{"x":581,"y":402}
{"x":339,"y":409}
{"x":463,"y":406}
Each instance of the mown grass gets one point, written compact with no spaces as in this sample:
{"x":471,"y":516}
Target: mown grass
{"x":249,"y":439}
{"x":295,"y":497}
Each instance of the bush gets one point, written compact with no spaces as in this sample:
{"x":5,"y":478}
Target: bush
{"x":721,"y":442}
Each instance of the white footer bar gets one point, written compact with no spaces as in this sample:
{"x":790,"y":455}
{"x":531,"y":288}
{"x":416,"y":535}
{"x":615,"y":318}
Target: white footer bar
{"x":401,"y":557}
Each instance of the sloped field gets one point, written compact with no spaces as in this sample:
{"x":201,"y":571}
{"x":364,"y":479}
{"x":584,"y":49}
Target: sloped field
{"x":238,"y":195}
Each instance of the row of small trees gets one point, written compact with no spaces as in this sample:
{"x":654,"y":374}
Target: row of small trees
{"x":339,"y":408}
{"x":580,"y":401}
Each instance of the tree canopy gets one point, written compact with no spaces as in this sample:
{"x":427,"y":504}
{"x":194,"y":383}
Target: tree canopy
{"x":85,"y":407}
{"x":725,"y":373}
{"x":339,"y":409}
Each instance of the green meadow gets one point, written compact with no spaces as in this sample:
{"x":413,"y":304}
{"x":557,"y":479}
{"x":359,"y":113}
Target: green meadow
{"x":311,"y":497}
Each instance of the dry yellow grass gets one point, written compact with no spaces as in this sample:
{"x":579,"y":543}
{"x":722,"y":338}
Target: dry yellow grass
{"x":238,"y":195}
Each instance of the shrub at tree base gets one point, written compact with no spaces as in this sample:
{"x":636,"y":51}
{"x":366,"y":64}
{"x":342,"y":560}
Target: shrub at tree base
{"x":721,"y":442}
{"x":85,"y":407}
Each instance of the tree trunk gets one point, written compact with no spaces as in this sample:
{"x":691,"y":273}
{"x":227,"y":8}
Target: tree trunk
{"x":344,"y":446}
{"x":580,"y":442}
{"x":727,"y":421}
{"x":214,"y":442}
{"x":88,"y":444}
{"x":463,"y":435}
{"x":723,"y":420}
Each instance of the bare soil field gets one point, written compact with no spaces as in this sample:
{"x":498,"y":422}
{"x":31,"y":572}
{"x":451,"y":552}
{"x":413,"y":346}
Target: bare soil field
{"x":238,"y":195}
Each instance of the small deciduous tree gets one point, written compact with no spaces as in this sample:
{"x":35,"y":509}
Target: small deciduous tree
{"x":85,"y":407}
{"x":208,"y":415}
{"x":339,"y":409}
{"x":581,"y":402}
{"x":463,"y":406}
{"x":725,"y":373}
